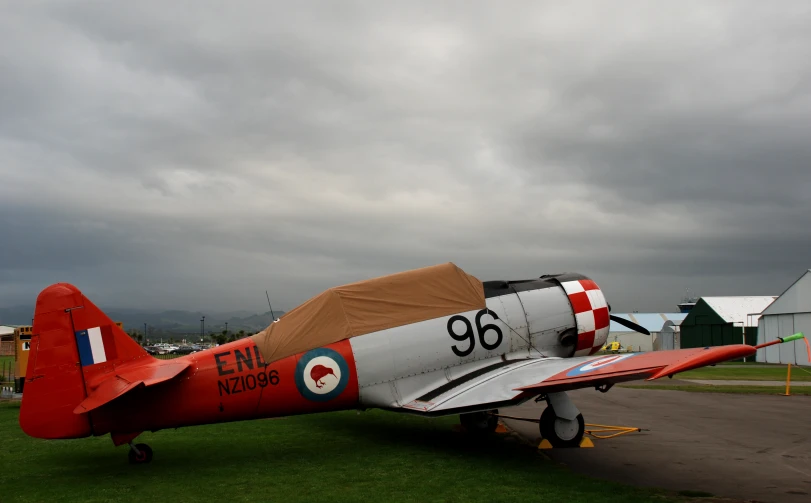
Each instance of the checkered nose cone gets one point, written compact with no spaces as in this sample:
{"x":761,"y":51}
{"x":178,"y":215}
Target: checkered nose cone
{"x":591,"y":314}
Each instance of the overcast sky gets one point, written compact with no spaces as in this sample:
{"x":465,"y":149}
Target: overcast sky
{"x":194,"y":154}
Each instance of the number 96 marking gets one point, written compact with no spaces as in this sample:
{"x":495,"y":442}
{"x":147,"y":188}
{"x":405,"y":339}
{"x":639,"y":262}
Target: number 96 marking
{"x":469,"y":335}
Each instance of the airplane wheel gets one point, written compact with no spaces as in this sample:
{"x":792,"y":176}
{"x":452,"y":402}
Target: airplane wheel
{"x":479,"y":423}
{"x":562,"y":432}
{"x":145,"y":455}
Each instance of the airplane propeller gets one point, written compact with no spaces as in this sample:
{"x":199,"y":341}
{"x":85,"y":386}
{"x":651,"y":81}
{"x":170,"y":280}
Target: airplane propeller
{"x":630,"y":324}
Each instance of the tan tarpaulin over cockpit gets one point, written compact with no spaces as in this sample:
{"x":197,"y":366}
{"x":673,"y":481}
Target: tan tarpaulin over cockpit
{"x":369,"y":306}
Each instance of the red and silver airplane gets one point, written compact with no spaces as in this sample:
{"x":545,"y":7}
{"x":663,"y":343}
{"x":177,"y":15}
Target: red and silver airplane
{"x":433,"y":341}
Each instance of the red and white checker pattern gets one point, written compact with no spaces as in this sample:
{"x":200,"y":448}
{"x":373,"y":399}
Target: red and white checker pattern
{"x":591,"y":315}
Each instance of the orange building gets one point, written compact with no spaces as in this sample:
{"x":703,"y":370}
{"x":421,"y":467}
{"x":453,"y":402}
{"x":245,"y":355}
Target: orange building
{"x":22,"y":345}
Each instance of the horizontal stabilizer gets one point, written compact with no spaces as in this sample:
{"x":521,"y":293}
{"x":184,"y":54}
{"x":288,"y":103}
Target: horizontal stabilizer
{"x":128,"y":378}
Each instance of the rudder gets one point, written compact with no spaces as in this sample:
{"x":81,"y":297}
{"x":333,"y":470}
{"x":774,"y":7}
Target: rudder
{"x":73,"y":346}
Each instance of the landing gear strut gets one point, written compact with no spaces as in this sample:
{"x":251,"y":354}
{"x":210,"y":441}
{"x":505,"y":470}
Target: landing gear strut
{"x":480,"y":423}
{"x":139,"y":454}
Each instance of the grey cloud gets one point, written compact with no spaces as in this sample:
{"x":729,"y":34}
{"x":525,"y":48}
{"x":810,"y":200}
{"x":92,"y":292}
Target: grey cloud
{"x":194,"y":155}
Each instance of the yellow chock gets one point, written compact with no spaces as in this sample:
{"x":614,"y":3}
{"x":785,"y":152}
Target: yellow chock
{"x":585,"y":443}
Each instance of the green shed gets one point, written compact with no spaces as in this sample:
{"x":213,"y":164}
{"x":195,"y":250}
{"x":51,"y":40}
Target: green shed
{"x":719,"y":321}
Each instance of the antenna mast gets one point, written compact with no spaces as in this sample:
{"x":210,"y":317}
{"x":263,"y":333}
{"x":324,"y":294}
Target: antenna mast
{"x":271,"y":307}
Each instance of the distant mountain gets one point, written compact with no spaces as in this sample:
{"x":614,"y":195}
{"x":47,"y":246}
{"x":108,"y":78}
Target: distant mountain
{"x":162,"y":322}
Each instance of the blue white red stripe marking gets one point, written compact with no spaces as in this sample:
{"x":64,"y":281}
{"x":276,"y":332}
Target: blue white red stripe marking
{"x":597,"y":364}
{"x":91,"y":346}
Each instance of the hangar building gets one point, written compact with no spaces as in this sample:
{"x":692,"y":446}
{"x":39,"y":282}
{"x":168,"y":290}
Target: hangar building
{"x":719,"y":321}
{"x":789,"y":314}
{"x":6,"y":340}
{"x":669,"y":337}
{"x":634,"y":341}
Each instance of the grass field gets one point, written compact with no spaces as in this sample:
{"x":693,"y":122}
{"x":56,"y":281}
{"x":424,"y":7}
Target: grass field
{"x":751,"y":363}
{"x":345,"y":456}
{"x":708,"y":388}
{"x":754,"y":373}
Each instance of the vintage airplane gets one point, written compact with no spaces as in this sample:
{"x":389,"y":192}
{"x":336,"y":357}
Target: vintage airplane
{"x":432,"y":341}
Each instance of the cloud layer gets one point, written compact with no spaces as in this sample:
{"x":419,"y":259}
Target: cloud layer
{"x":194,"y":154}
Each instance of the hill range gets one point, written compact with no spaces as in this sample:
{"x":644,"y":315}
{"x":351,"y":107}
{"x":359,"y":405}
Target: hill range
{"x":163,"y":322}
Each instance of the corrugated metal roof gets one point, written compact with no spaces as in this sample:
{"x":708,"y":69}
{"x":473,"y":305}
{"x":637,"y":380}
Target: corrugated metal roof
{"x":738,"y":310}
{"x":651,"y":321}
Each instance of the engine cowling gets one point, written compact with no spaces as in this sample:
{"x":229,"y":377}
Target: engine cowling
{"x":563,"y":314}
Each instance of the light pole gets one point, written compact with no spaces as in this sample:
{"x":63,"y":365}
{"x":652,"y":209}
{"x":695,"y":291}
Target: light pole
{"x":226,"y":329}
{"x":202,"y":326}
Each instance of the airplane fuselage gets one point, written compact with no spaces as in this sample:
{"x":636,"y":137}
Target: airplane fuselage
{"x":385,"y":369}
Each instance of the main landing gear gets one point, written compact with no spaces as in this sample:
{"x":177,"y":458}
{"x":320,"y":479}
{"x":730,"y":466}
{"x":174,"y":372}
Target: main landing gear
{"x":561,"y":423}
{"x":562,"y":426}
{"x":139,"y":454}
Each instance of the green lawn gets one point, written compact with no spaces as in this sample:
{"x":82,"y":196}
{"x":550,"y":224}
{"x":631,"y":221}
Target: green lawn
{"x":749,"y":362}
{"x":708,"y":388}
{"x":754,"y":373}
{"x":372,"y":456}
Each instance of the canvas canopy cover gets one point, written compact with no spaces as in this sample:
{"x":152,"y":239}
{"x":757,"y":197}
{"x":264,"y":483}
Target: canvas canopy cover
{"x":370,"y":306}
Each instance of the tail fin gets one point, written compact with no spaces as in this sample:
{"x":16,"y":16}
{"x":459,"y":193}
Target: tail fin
{"x":73,"y":344}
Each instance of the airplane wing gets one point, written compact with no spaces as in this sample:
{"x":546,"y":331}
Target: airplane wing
{"x":512,"y":382}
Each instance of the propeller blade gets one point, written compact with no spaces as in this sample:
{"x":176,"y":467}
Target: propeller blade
{"x":630,"y":324}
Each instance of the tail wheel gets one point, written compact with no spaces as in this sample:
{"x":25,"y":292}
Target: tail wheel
{"x":144,"y":454}
{"x":479,"y":423}
{"x":562,"y":432}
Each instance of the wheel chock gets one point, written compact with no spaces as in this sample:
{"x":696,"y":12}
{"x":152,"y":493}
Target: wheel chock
{"x":501,"y":429}
{"x":585,"y":443}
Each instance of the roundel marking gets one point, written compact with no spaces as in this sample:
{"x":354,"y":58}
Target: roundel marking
{"x":321,"y":374}
{"x":597,"y":364}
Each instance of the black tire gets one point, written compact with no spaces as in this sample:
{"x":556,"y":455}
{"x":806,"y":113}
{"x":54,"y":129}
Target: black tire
{"x":559,"y":431}
{"x":145,"y":456}
{"x":479,"y":423}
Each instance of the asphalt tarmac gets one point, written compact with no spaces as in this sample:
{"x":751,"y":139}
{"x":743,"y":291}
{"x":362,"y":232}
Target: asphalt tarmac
{"x":748,"y":447}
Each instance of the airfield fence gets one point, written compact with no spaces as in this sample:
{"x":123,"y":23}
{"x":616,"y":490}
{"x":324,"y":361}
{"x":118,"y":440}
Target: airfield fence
{"x":6,"y":373}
